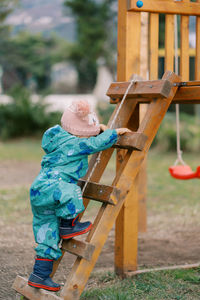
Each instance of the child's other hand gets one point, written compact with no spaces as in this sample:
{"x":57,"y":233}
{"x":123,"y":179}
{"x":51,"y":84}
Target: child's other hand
{"x":121,"y":131}
{"x":103,"y":127}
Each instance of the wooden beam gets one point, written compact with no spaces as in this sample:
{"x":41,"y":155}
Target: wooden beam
{"x":133,"y":141}
{"x":99,"y":192}
{"x":79,"y":248}
{"x":187,"y":93}
{"x":21,"y":286}
{"x":141,"y":89}
{"x":166,"y":7}
{"x":168,"y":268}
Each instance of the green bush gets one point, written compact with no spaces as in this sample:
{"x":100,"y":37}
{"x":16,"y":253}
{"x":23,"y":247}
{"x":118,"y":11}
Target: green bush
{"x":189,"y":132}
{"x":22,"y":117}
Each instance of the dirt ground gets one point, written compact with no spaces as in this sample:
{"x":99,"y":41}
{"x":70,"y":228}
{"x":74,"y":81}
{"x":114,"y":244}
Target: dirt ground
{"x":167,"y":242}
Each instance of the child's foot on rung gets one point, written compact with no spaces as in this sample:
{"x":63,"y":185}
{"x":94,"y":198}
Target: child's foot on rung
{"x":70,"y":228}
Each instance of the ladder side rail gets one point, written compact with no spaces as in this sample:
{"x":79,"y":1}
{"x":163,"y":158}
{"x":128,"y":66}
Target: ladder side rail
{"x":82,"y":268}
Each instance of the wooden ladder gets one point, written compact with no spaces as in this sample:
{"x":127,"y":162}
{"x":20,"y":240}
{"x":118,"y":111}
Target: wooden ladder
{"x":161,"y":93}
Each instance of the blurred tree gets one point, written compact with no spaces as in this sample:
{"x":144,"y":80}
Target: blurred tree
{"x":94,"y":20}
{"x":6,"y":7}
{"x":27,"y":59}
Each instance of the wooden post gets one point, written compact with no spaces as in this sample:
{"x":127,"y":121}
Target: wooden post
{"x":184,"y":55}
{"x":197,"y":61}
{"x":126,"y":229}
{"x":142,"y":176}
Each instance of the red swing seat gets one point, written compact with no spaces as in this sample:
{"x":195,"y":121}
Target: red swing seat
{"x":184,"y":172}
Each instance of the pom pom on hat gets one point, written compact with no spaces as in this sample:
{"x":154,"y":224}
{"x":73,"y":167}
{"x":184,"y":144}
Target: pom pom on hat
{"x":83,"y":108}
{"x":80,"y":120}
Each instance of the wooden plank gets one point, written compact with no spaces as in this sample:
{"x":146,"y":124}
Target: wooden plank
{"x":79,"y":248}
{"x":153,"y":45}
{"x":169,"y":42}
{"x":141,"y":215}
{"x":132,"y":45}
{"x":187,"y":266}
{"x":197,"y":60}
{"x":99,"y":192}
{"x":98,"y":234}
{"x":21,"y":286}
{"x":169,"y":7}
{"x":142,"y":187}
{"x":141,"y":89}
{"x":142,"y":197}
{"x":144,"y":46}
{"x":133,"y":141}
{"x":128,"y":48}
{"x":184,"y":46}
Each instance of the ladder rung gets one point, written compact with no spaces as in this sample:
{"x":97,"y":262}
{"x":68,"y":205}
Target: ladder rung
{"x":134,"y":141}
{"x":21,"y":286}
{"x":100,"y":192}
{"x":141,"y":89}
{"x":79,"y":248}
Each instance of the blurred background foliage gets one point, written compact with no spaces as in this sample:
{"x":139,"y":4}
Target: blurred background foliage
{"x":94,"y":28}
{"x":23,"y":117}
{"x":27,"y":60}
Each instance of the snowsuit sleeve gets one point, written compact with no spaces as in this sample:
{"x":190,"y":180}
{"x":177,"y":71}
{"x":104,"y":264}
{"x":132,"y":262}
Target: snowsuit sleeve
{"x":91,"y":145}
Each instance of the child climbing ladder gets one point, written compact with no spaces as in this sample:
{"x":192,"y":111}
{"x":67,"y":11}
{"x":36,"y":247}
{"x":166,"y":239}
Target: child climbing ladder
{"x":139,"y":141}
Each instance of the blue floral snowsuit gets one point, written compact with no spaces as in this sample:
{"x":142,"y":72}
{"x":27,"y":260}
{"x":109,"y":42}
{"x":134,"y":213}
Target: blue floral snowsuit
{"x":54,"y":193}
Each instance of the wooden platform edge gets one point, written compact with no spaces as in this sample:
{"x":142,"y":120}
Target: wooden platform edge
{"x":81,"y":249}
{"x":21,"y":286}
{"x":186,"y":266}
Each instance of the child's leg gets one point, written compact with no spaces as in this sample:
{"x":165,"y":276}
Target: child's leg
{"x":40,"y":277}
{"x":46,"y":231}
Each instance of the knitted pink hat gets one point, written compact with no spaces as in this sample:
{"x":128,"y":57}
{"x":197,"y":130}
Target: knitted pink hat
{"x":79,"y":119}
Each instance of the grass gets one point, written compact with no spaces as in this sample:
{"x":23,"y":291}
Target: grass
{"x":178,"y":284}
{"x":165,"y":196}
{"x":15,"y":206}
{"x":21,"y":150}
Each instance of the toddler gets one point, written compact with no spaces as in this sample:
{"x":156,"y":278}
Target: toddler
{"x":56,"y":199}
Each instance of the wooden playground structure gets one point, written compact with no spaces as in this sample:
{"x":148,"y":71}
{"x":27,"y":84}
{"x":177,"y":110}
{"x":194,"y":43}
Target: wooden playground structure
{"x":143,"y":105}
